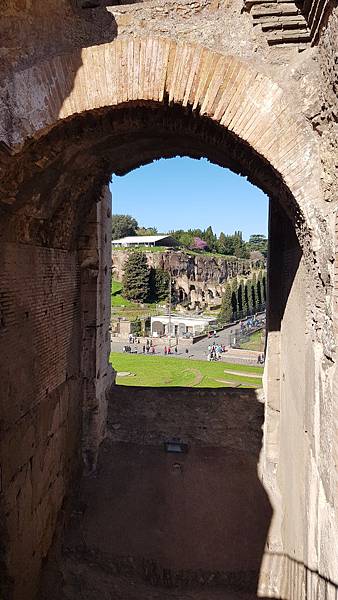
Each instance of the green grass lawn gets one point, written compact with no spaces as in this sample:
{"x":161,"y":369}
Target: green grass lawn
{"x":117,"y":299}
{"x":121,"y":307}
{"x":161,"y":371}
{"x":254,"y":343}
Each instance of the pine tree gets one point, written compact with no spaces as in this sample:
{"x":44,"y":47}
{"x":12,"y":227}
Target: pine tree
{"x":225,"y":313}
{"x":136,"y":278}
{"x":158,"y":284}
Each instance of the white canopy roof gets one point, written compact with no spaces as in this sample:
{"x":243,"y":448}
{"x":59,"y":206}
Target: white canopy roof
{"x":140,"y":239}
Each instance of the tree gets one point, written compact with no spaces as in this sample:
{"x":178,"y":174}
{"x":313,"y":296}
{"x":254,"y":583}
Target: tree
{"x":247,"y":304}
{"x":264,"y":286}
{"x":259,"y":288}
{"x":159,"y":284}
{"x":258,"y":242}
{"x":147,"y":231}
{"x":225,"y":313}
{"x":234,"y":287}
{"x":137,"y":328}
{"x":210,"y":238}
{"x":199,"y":244}
{"x":254,"y":291}
{"x":240,"y":296}
{"x":123,"y":225}
{"x":136,"y":277}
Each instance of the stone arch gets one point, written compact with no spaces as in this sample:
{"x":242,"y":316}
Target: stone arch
{"x":230,"y":92}
{"x":132,"y":101}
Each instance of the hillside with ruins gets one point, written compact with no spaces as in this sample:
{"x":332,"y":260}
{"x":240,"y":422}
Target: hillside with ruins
{"x":198,"y":280}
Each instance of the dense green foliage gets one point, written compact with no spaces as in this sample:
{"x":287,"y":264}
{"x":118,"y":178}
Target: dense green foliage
{"x":231,"y":245}
{"x":141,"y":283}
{"x":258,"y":242}
{"x":242,"y":298}
{"x":146,"y":231}
{"x":159,"y":284}
{"x":226,"y":312}
{"x":136,"y":277}
{"x":228,"y":245}
{"x":123,"y":225}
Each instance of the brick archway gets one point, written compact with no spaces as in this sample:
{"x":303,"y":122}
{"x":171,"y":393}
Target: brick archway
{"x":131,"y":71}
{"x":129,"y":102}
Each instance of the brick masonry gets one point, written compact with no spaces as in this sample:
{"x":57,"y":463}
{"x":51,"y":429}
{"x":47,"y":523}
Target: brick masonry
{"x":88,"y":92}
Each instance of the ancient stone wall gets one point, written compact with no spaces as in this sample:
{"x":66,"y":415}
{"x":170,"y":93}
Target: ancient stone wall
{"x":54,"y":373}
{"x":198,"y":280}
{"x":85,"y":93}
{"x":95,"y":259}
{"x":219,"y":418}
{"x":41,"y":390}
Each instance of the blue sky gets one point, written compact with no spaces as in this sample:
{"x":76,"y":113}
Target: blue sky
{"x":183,"y":193}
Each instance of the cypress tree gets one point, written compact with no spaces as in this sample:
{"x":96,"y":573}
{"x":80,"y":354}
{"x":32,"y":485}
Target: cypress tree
{"x":264,"y":287}
{"x":250,"y":296}
{"x":225,"y":313}
{"x":259,"y":288}
{"x":254,"y":291}
{"x":234,"y":287}
{"x":246,"y":303}
{"x":240,"y":294}
{"x":136,"y":277}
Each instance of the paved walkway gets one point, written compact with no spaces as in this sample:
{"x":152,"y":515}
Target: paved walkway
{"x":198,"y":350}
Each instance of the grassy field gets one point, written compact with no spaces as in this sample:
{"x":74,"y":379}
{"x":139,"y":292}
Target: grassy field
{"x":125,"y":308}
{"x":254,"y":343}
{"x":161,"y":371}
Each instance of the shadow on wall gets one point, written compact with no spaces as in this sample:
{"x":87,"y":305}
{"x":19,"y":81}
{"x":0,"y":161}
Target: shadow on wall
{"x":195,"y":521}
{"x":33,"y":400}
{"x":283,"y":261}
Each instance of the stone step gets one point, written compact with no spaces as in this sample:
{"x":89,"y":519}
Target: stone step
{"x":275,"y":10}
{"x":286,"y":20}
{"x":279,"y":25}
{"x":288,"y":37}
{"x":251,"y":3}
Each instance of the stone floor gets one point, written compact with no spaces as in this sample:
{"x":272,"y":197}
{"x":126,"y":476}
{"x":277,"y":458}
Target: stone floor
{"x":83,"y":581}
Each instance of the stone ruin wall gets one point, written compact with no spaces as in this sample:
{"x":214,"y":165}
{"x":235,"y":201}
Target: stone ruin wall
{"x":59,"y":300}
{"x":42,"y":399}
{"x":198,"y":280}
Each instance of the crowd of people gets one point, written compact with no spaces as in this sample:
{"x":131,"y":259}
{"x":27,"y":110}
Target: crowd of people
{"x":149,"y":348}
{"x":215,"y":351}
